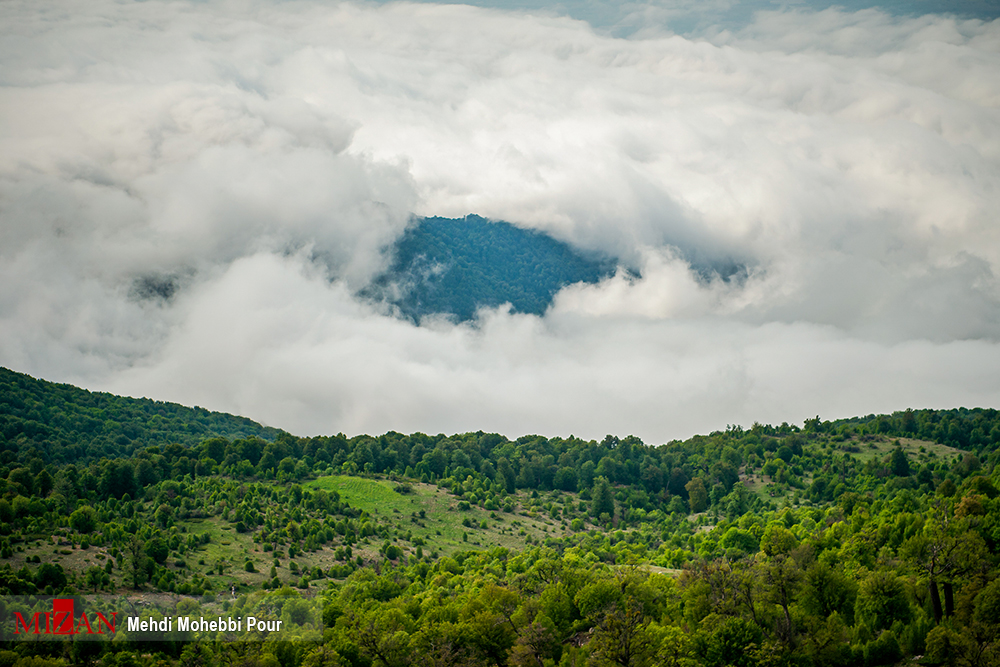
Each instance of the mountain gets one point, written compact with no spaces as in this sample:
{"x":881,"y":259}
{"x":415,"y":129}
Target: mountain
{"x":456,"y":266}
{"x":63,"y":423}
{"x":865,"y":541}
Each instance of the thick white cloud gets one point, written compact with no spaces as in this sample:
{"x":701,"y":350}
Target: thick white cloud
{"x":191,"y":194}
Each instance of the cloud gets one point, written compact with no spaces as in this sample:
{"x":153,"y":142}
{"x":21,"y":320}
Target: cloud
{"x":191,"y":196}
{"x":273,"y":339}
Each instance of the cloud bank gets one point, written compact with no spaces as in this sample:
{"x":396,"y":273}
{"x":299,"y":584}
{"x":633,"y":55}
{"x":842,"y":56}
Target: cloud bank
{"x":191,"y":195}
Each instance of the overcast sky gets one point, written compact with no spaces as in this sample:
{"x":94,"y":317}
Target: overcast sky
{"x":192,"y":193}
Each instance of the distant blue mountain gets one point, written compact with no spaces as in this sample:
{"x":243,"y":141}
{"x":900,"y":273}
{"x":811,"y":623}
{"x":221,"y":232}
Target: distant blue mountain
{"x":455,"y":266}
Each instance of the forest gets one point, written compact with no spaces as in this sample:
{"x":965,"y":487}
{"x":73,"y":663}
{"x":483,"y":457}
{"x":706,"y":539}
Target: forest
{"x":453,"y":267}
{"x":864,"y":541}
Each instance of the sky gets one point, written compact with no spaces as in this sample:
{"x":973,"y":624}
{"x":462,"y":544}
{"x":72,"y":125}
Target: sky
{"x":803,"y":198}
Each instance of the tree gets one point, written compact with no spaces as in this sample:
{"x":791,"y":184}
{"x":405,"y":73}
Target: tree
{"x":603,"y":501}
{"x":506,"y":476}
{"x":117,"y":479}
{"x":135,"y":552}
{"x":622,"y":638}
{"x":215,"y":448}
{"x":50,"y":575}
{"x":898,"y":463}
{"x":781,"y":573}
{"x":730,"y":641}
{"x":44,"y":483}
{"x":436,"y":460}
{"x":95,"y":577}
{"x":23,"y":478}
{"x":158,"y":550}
{"x":740,"y":540}
{"x":83,"y":520}
{"x":145,"y":473}
{"x":697,"y":495}
{"x":383,"y":635}
{"x":882,"y":601}
{"x":164,"y":514}
{"x":777,"y":540}
{"x":826,"y":590}
{"x":943,"y":551}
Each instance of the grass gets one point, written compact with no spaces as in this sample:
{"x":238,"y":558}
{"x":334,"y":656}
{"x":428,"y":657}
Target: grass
{"x":919,"y":452}
{"x":374,"y":496}
{"x":883,"y":446}
{"x":441,"y":526}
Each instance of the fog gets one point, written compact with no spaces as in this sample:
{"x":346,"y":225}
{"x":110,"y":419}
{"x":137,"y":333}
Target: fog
{"x":803,"y":204}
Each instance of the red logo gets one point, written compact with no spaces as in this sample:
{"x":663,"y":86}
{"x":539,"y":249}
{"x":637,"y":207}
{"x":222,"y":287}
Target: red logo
{"x":62,"y":621}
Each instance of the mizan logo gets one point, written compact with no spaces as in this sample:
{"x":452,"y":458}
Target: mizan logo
{"x":62,"y":621}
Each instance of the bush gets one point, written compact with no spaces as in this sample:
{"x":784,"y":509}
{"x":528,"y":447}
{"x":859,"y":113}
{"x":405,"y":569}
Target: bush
{"x":157,"y":549}
{"x":83,"y":520}
{"x":944,"y":646}
{"x":248,"y":566}
{"x":883,"y":651}
{"x":882,"y":601}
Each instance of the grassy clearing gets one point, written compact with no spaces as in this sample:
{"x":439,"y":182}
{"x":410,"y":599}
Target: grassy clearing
{"x":918,"y":451}
{"x":375,"y":496}
{"x":441,"y":526}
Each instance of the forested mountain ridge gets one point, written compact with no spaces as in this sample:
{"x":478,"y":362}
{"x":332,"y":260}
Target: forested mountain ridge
{"x":456,"y":266}
{"x":867,"y":541}
{"x":63,"y":423}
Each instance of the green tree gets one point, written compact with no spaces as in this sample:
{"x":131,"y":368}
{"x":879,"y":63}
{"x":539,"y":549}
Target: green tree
{"x":22,"y":477}
{"x":163,"y":516}
{"x":827,"y":590}
{"x":697,"y":495}
{"x":135,"y":553}
{"x":942,"y":552}
{"x":157,"y":549}
{"x":44,"y":483}
{"x":50,"y":575}
{"x":740,"y":540}
{"x":603,"y":501}
{"x":898,"y":463}
{"x":95,"y":577}
{"x":781,"y":574}
{"x":882,"y":601}
{"x":506,"y":476}
{"x":83,"y":520}
{"x":623,"y":637}
{"x":725,"y":641}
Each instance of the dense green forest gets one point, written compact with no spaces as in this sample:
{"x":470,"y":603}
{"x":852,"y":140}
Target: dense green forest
{"x":866,"y":541}
{"x":62,"y":423}
{"x":455,"y":266}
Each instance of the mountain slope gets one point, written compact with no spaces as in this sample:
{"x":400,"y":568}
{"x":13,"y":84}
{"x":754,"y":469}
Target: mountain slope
{"x":65,"y":423}
{"x":456,"y":266}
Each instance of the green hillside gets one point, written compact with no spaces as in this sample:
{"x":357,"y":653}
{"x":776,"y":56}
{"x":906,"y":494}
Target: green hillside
{"x":866,"y":541}
{"x":456,"y":266}
{"x":63,"y":423}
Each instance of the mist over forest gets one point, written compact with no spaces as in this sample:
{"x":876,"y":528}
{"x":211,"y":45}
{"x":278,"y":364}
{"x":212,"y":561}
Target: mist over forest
{"x":531,"y":334}
{"x":790,"y":208}
{"x":872,"y":540}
